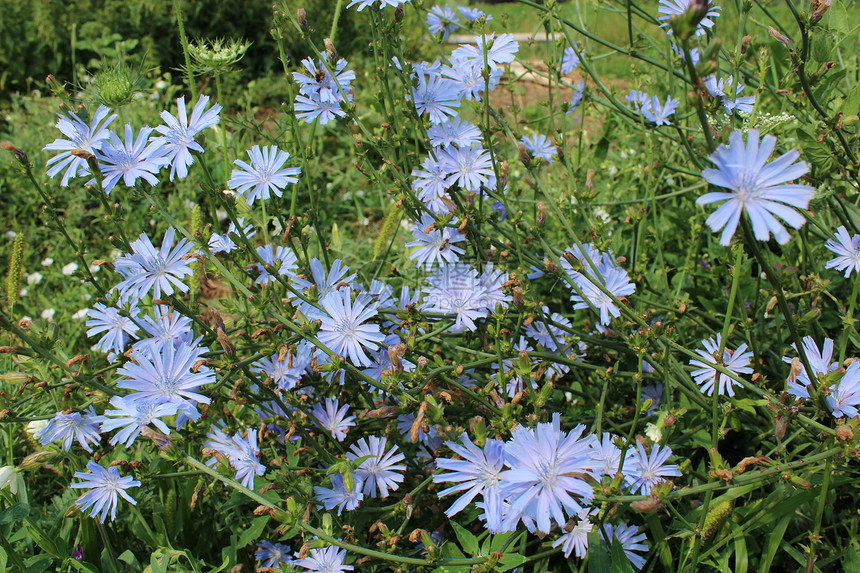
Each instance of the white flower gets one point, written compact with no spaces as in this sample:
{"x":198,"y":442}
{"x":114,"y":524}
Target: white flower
{"x":34,"y":278}
{"x":48,"y":314}
{"x":9,"y":478}
{"x":80,"y":314}
{"x":36,"y":426}
{"x":11,"y":235}
{"x":70,"y":268}
{"x":47,"y":262}
{"x":653,"y":433}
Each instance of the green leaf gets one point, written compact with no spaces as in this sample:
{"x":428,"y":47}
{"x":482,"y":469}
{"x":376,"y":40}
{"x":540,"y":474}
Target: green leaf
{"x":817,"y":153}
{"x":598,"y":559}
{"x":851,"y":560}
{"x":620,"y":562}
{"x":13,"y":513}
{"x":822,"y":46}
{"x":838,"y":18}
{"x":38,"y":563}
{"x":772,"y":542}
{"x":82,"y":566}
{"x":664,"y":553}
{"x":747,"y":404}
{"x":741,"y":557}
{"x":851,"y":104}
{"x":510,"y":560}
{"x":128,"y":557}
{"x":158,"y":565}
{"x":253,"y":532}
{"x":468,"y":541}
{"x":2,"y":560}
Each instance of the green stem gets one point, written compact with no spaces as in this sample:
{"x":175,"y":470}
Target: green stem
{"x":337,"y":9}
{"x":184,"y":40}
{"x":320,"y":533}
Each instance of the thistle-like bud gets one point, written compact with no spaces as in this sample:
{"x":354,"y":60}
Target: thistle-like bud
{"x":114,"y":86}
{"x":745,"y":44}
{"x":398,"y":13}
{"x":216,"y":56}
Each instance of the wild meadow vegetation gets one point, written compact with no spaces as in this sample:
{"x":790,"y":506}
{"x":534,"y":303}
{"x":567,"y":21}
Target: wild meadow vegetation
{"x":396,"y":286}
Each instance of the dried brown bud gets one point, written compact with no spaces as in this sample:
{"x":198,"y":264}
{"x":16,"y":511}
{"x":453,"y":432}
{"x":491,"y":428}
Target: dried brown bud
{"x":745,"y":44}
{"x":819,"y":7}
{"x":303,"y":19}
{"x":780,"y":426}
{"x":780,"y":37}
{"x":649,"y":505}
{"x":525,"y":157}
{"x":330,"y":49}
{"x":19,"y":154}
{"x":844,"y":432}
{"x":541,"y":215}
{"x":725,"y":474}
{"x":518,"y":296}
{"x":589,"y":179}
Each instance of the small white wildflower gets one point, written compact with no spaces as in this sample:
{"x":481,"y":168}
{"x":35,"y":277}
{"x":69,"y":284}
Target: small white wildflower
{"x":47,"y":262}
{"x":11,"y":235}
{"x":34,"y":278}
{"x":9,"y":478}
{"x":94,"y":269}
{"x":80,"y":314}
{"x":48,"y":314}
{"x":603,"y":215}
{"x":70,"y":268}
{"x":653,"y":433}
{"x":36,"y":426}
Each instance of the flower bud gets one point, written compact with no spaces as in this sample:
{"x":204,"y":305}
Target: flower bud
{"x":330,"y":50}
{"x":518,"y":296}
{"x":12,"y":148}
{"x":303,"y":19}
{"x":649,"y":505}
{"x":844,"y":432}
{"x":819,"y":7}
{"x":780,"y":37}
{"x":541,"y":215}
{"x":780,"y":426}
{"x":115,"y":86}
{"x":525,"y":157}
